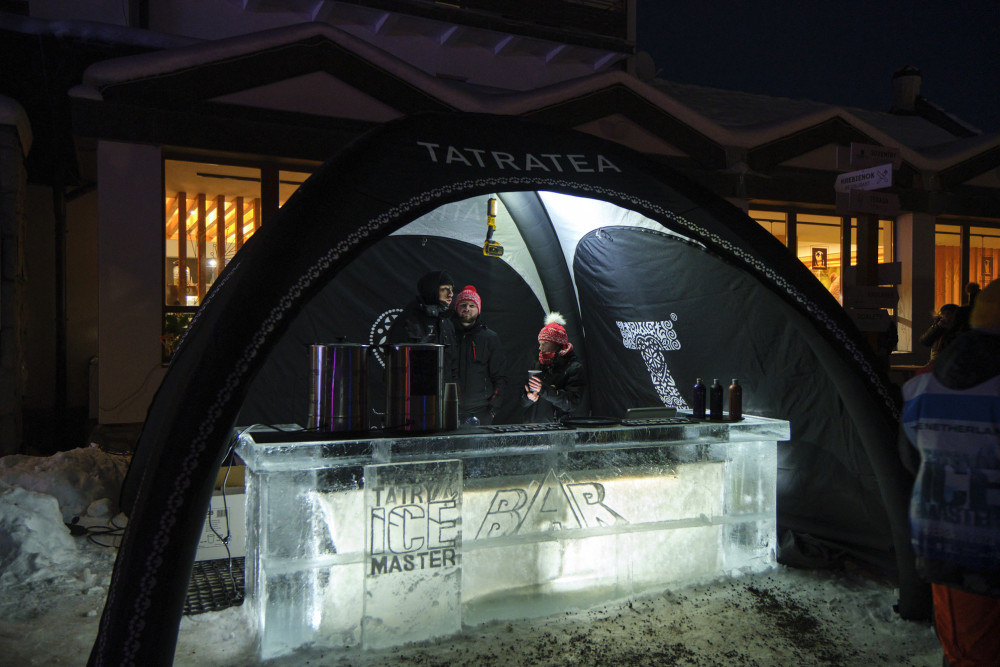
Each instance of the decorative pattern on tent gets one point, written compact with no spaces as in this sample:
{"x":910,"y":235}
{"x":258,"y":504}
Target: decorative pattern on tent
{"x":379,"y":184}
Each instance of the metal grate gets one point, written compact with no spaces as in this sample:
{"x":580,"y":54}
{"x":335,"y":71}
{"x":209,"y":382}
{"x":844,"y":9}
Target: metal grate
{"x":215,"y":585}
{"x":657,"y":421}
{"x":523,"y":428}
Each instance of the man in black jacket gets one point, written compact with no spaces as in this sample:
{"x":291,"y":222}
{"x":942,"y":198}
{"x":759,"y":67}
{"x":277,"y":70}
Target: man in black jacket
{"x":427,"y":319}
{"x":481,"y":364}
{"x":558,"y":391}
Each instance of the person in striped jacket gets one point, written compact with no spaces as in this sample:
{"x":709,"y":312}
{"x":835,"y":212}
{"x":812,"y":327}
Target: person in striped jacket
{"x":951,"y":416}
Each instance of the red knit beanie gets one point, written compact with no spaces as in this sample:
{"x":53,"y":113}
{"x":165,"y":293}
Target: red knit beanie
{"x":554,"y":330}
{"x":469,"y":293}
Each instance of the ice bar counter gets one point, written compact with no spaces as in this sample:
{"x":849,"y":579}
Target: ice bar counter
{"x":381,"y":541}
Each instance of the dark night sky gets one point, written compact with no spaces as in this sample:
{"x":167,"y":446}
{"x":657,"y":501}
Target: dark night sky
{"x":836,"y":52}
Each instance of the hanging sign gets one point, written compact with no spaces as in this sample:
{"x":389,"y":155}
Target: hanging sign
{"x":860,"y":156}
{"x":869,"y":319}
{"x":886,"y":273}
{"x":875,"y":178}
{"x":864,"y":201}
{"x":863,"y":296}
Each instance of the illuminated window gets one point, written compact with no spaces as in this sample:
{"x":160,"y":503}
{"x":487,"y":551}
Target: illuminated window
{"x":963,"y":254}
{"x":818,"y":247}
{"x":776,"y":222}
{"x":210,"y":211}
{"x":816,"y":241}
{"x":947,"y":265}
{"x":886,"y":252}
{"x":984,"y":253}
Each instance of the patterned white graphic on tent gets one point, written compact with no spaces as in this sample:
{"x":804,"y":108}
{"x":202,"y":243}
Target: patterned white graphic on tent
{"x":654,"y":340}
{"x":380,"y":331}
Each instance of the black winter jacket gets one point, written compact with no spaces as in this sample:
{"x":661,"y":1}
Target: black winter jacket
{"x":423,"y":320}
{"x":563,"y":387}
{"x":482,"y":368}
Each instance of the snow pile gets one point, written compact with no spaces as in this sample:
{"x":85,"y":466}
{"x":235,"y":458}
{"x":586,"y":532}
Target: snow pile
{"x":33,"y":538}
{"x":38,"y":497}
{"x":77,"y":479}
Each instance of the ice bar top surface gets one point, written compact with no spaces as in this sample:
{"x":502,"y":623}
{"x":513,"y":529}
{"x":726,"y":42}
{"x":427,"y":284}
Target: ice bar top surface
{"x":290,"y":446}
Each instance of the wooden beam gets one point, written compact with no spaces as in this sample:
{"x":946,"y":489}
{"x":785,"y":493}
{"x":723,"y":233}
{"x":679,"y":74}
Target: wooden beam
{"x":182,"y":213}
{"x":220,"y":232}
{"x":239,"y":223}
{"x":172,"y":218}
{"x":202,"y":260}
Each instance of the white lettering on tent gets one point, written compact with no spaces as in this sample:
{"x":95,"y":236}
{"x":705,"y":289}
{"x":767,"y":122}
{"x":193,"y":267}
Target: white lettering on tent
{"x":578,"y":162}
{"x":555,"y":160}
{"x":531,"y":162}
{"x":654,"y":340}
{"x":455,"y":155}
{"x":505,"y":158}
{"x":477,"y":157}
{"x":478,"y":154}
{"x":604,"y":164}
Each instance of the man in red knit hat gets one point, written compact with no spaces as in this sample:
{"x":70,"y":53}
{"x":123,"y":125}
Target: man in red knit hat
{"x":558,"y":390}
{"x":481,"y":365}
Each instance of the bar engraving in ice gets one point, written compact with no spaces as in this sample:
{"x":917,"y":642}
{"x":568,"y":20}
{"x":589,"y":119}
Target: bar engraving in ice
{"x":413,"y":540}
{"x":555,"y":503}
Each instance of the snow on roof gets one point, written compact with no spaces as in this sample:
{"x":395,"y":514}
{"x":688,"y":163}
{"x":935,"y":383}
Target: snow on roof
{"x":728,"y":117}
{"x":753,"y":112}
{"x":201,"y":54}
{"x":912,"y":131}
{"x":958,"y":150}
{"x":737,"y":110}
{"x":756,"y":119}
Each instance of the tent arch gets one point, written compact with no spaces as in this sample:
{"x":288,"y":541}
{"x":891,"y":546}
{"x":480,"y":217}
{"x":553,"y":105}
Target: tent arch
{"x":382,"y":181}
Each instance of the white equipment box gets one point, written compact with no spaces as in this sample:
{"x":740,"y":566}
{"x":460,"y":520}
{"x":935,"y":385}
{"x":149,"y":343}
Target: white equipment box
{"x":233,"y":507}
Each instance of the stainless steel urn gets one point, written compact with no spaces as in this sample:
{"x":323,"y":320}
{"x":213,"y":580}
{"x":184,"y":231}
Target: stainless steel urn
{"x":414,"y":387}
{"x":338,"y":389}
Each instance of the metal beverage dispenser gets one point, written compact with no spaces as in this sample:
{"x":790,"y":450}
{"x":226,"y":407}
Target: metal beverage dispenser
{"x":338,"y":389}
{"x":414,"y":387}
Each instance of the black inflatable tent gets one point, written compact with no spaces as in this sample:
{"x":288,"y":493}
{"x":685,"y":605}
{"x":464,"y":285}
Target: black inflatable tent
{"x":661,"y":281}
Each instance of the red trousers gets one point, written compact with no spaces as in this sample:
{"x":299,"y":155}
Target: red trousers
{"x":968,"y":626}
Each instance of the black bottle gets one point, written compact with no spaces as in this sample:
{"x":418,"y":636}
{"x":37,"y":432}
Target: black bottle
{"x":715,"y":401}
{"x":735,"y":401}
{"x":698,"y":399}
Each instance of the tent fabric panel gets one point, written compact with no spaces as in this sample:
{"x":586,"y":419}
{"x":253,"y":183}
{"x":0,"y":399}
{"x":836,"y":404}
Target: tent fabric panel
{"x":716,"y":321}
{"x":359,"y":306}
{"x":465,"y":220}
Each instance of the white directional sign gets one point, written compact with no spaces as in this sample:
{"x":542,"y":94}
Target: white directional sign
{"x":868,"y":319}
{"x":865,"y":179}
{"x":866,"y":201}
{"x":856,"y":296}
{"x":886,"y":273}
{"x":860,"y":156}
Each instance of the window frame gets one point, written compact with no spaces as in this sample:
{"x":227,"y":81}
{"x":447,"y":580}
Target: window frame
{"x":176,"y":317}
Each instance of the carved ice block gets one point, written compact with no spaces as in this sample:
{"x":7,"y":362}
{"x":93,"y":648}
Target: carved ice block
{"x":387,"y":540}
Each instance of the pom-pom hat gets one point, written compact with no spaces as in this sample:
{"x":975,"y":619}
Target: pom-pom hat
{"x":554,"y":330}
{"x":469,"y":293}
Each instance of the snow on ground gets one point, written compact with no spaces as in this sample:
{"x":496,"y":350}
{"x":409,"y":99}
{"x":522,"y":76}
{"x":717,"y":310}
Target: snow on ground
{"x":53,"y":586}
